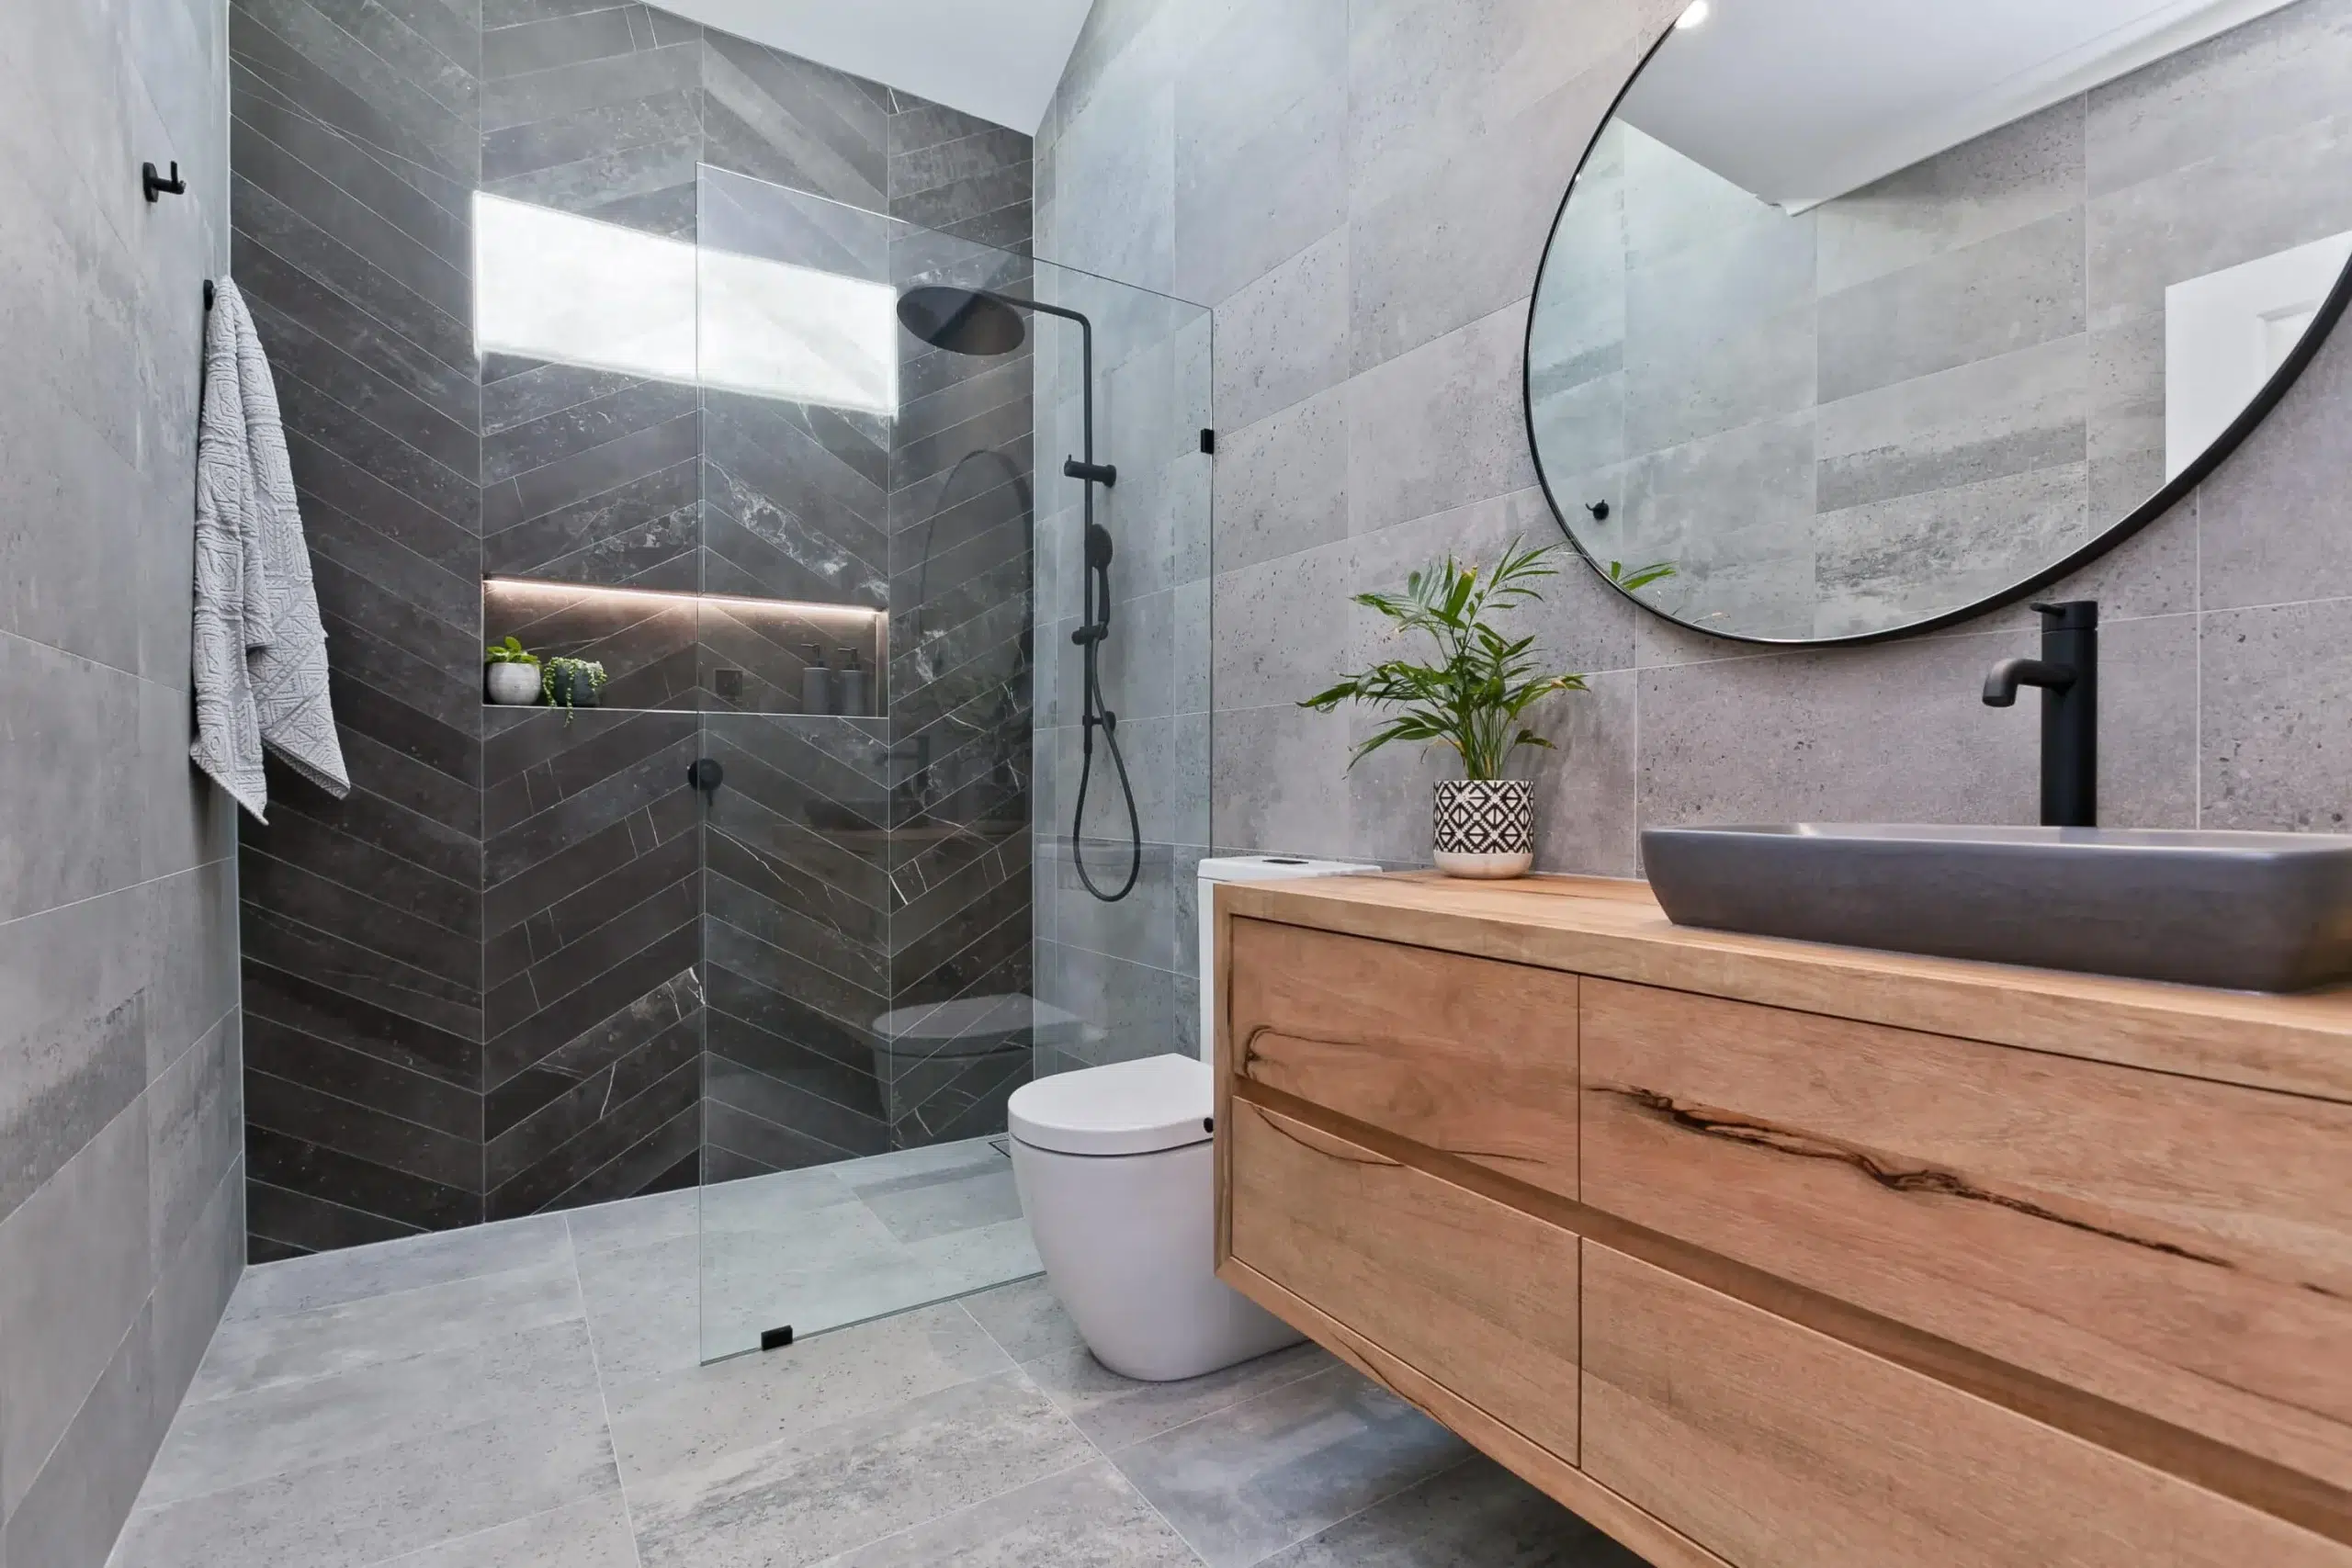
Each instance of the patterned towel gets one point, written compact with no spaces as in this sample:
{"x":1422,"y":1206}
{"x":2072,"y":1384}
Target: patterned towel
{"x":261,"y":652}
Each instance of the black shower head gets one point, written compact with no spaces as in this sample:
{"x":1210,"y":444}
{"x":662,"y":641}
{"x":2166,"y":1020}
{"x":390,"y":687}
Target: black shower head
{"x":962,"y":321}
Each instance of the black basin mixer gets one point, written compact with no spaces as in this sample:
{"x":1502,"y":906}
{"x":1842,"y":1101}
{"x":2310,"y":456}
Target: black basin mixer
{"x":2067,"y":673}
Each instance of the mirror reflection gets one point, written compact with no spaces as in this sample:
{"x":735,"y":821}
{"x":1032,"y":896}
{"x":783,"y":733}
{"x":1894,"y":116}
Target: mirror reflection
{"x":1868,"y":313}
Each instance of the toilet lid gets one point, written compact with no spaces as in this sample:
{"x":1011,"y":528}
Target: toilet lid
{"x":1128,"y":1108}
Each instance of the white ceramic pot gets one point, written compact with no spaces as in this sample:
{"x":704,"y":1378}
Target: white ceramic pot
{"x":1485,"y":828}
{"x":512,"y":685}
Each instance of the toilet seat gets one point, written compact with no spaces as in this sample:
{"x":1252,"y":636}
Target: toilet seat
{"x":1127,"y":1108}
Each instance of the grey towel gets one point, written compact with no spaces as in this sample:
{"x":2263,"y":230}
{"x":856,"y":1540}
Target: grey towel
{"x":261,"y":652}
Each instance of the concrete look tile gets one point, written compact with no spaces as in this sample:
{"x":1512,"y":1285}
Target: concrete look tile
{"x":1476,"y":1515}
{"x":1248,"y":1481}
{"x":2275,"y":682}
{"x":76,"y":1271}
{"x":1115,"y":1412}
{"x":70,"y":834}
{"x":255,"y":1353}
{"x":1993,"y":417}
{"x":589,"y":1534}
{"x":1284,"y":629}
{"x":2000,"y":295}
{"x":815,"y":1494}
{"x":1243,"y":208}
{"x":2019,"y":174}
{"x":1586,"y":790}
{"x":532,"y":1457}
{"x":1281,"y":484}
{"x":2147,"y":695}
{"x":1088,"y":1517}
{"x":1025,"y":1319}
{"x":700,"y":1417}
{"x":1465,"y":240}
{"x":981,"y":1194}
{"x":1894,"y":733}
{"x":72,"y":1510}
{"x":192,"y":1288}
{"x":1441,"y":426}
{"x":329,"y":1279}
{"x":241,"y":1438}
{"x":644,"y":1306}
{"x":1284,"y":337}
{"x":195,"y":1132}
{"x":72,"y":1034}
{"x":1281,"y":782}
{"x":2272,"y":519}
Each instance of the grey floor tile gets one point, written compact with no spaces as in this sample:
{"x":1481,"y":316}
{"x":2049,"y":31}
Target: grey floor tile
{"x":248,"y":1354}
{"x":877,"y":1170}
{"x":917,"y":1208}
{"x":693,"y":1417}
{"x":360,"y":1509}
{"x":634,"y":1222}
{"x":822,"y":1493}
{"x":247,"y":1437}
{"x":1476,"y":1515}
{"x":591,"y":1534}
{"x":329,"y":1279}
{"x":1025,"y":1319}
{"x":1090,"y":1517}
{"x":644,"y":1307}
{"x":1116,"y":1412}
{"x":1250,"y":1480}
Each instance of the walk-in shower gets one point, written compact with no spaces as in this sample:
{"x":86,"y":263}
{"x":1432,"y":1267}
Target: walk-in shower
{"x":986,"y":325}
{"x":874,"y":891}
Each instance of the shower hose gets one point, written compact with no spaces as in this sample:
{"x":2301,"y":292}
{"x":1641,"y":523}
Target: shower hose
{"x":1090,"y":638}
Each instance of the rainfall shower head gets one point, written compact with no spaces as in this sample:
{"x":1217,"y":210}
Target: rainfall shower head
{"x":962,"y":321}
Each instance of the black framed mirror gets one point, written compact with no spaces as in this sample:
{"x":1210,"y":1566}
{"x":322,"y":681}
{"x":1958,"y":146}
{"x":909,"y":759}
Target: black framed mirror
{"x":1869,"y":316}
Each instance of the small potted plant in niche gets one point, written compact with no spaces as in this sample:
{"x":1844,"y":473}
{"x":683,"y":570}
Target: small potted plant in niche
{"x":1472,"y":699}
{"x":511,"y":674}
{"x":573,"y":683}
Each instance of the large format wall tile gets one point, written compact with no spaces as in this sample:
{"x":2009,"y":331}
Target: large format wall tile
{"x":482,"y":986}
{"x":118,"y":1025}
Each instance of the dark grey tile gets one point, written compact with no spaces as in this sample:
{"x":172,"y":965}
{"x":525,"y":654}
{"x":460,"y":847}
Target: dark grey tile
{"x":553,"y":41}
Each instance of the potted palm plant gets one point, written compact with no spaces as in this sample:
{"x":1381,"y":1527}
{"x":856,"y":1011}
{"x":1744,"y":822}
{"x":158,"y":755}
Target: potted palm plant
{"x":1471,"y":698}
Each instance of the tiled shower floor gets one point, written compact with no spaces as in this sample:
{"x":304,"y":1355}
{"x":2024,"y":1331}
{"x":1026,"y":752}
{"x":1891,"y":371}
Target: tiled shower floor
{"x":526,"y":1396}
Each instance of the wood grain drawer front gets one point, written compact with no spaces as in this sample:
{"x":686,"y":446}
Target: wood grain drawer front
{"x":2180,"y":1247}
{"x":1479,"y":1298}
{"x":1778,"y":1448}
{"x":1465,"y":1055}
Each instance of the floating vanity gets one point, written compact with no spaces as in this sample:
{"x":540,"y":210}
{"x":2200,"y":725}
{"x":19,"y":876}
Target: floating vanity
{"x":1763,"y":1253}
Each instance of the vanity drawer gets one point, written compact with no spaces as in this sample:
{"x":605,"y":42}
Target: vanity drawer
{"x":1477,"y":1297}
{"x":1469,"y":1056}
{"x":2179,"y":1247}
{"x":1776,"y":1446}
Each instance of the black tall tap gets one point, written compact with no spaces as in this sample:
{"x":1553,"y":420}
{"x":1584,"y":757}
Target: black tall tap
{"x":2067,"y":673}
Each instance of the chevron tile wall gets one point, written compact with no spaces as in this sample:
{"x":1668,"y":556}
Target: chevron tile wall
{"x":525,"y":965}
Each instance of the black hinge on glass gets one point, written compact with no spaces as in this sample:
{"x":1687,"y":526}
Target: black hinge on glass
{"x":776,"y":1339}
{"x":1208,"y":441}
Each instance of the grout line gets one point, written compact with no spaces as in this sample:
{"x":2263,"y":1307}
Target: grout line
{"x":603,"y":1400}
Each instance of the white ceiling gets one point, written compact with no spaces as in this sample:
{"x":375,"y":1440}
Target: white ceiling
{"x":998,"y":59}
{"x":1800,"y":100}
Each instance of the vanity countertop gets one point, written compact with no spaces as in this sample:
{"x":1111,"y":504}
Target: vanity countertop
{"x":1614,"y":930}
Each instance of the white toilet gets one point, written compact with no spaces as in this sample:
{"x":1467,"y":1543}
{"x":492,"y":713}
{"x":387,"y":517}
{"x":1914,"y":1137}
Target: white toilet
{"x":1114,"y":1166}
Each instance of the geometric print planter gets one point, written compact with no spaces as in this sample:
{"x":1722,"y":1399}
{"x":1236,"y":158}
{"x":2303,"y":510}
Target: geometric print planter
{"x":1485,"y":828}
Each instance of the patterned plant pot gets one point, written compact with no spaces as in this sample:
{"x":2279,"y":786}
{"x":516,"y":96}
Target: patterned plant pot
{"x":514,"y":685}
{"x":1485,"y":828}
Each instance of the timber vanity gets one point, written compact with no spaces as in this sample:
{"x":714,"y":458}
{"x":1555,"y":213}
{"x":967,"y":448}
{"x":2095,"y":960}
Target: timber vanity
{"x":1765,"y":1253}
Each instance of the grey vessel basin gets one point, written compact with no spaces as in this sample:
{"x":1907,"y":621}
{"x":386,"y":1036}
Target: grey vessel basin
{"x":2252,"y":911}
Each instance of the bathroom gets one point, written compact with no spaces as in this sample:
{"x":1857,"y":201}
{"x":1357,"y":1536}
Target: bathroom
{"x":624,"y":1095}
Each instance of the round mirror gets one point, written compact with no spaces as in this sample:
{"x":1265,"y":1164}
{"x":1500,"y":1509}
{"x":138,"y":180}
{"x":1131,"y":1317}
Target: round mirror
{"x":1865,"y":316}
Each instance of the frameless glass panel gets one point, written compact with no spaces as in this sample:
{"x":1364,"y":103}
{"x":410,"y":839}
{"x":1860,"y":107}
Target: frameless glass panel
{"x":867,"y":661}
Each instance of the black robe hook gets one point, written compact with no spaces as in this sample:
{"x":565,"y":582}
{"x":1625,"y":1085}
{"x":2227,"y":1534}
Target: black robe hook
{"x":158,"y":186}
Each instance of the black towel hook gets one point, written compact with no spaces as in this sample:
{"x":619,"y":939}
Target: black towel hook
{"x":208,"y":294}
{"x":158,"y":186}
